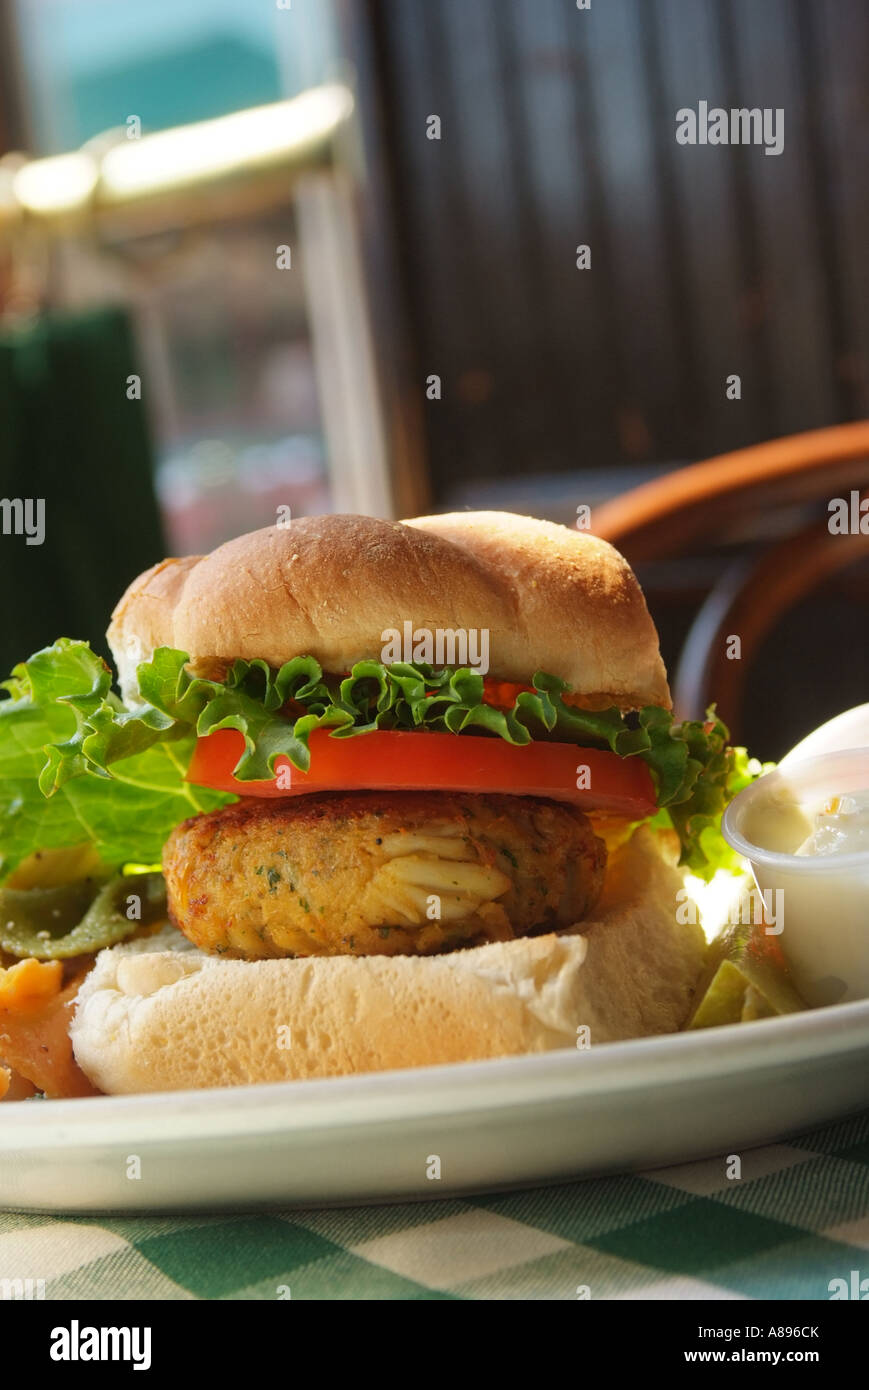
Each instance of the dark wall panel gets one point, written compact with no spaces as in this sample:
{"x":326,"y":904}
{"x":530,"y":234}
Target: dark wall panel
{"x":558,"y":129}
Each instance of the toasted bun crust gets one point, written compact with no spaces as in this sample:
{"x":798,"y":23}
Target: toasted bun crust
{"x":330,"y":586}
{"x":152,"y":1019}
{"x":140,"y":619}
{"x":582,"y":610}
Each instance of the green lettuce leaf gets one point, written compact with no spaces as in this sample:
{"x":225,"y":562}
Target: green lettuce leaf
{"x":697,"y":817}
{"x":694,"y":770}
{"x":126,"y":814}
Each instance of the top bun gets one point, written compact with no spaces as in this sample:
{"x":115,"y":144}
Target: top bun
{"x":552,"y":599}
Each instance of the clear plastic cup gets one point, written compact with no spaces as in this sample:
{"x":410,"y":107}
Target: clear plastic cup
{"x":824,"y":903}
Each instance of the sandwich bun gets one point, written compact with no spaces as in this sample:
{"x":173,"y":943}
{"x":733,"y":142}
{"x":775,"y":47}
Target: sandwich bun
{"x":330,"y":586}
{"x":157,"y":1014}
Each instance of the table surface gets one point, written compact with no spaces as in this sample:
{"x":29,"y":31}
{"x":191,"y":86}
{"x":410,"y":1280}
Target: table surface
{"x":795,"y":1218}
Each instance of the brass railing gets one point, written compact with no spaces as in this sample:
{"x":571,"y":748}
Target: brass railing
{"x":117,"y":188}
{"x":233,"y":165}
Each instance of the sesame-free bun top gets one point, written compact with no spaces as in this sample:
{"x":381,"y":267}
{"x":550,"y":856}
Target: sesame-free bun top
{"x":552,"y":599}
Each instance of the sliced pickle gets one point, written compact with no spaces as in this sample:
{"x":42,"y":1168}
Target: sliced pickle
{"x":56,"y":868}
{"x":746,"y":978}
{"x":77,"y":918}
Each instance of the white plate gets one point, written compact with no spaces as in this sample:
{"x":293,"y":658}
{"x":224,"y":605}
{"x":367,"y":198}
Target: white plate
{"x":515,"y":1121}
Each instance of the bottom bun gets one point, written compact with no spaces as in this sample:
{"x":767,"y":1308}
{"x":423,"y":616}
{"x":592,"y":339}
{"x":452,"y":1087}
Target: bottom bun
{"x":159,"y":1015}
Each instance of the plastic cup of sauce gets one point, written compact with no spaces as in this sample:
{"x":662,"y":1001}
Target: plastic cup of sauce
{"x":805,"y":831}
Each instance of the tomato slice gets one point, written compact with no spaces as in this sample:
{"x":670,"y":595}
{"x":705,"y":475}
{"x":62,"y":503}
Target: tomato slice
{"x":392,"y":760}
{"x":501,"y":694}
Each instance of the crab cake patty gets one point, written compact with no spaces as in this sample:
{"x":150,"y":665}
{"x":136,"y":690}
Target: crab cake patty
{"x":379,"y":873}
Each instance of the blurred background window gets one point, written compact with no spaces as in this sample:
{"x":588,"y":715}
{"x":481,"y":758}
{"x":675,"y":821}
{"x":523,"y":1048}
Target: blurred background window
{"x":233,"y":399}
{"x":171,"y":63}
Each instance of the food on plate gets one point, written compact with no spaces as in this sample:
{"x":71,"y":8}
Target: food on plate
{"x":746,"y":977}
{"x":501,"y":866}
{"x":71,"y":919}
{"x":805,"y":831}
{"x":415,"y":788}
{"x":37,"y":1000}
{"x":154,"y":1017}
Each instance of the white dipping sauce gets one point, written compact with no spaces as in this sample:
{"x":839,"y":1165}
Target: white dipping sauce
{"x":805,"y":831}
{"x":841,"y":826}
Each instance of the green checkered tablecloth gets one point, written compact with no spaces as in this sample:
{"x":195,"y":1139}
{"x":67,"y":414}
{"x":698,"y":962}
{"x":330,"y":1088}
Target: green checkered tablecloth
{"x":796,"y":1218}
